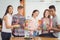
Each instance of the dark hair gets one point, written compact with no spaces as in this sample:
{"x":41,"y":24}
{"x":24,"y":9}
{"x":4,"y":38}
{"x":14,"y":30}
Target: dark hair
{"x":20,"y":7}
{"x":52,"y":7}
{"x":45,"y":12}
{"x":7,"y":9}
{"x":20,"y":0}
{"x":34,"y":12}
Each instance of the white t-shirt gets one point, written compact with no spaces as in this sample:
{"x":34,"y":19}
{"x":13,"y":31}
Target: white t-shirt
{"x":33,"y":25}
{"x":4,"y":29}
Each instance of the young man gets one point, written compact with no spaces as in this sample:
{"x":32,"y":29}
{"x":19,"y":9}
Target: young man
{"x":19,"y":19}
{"x":56,"y":22}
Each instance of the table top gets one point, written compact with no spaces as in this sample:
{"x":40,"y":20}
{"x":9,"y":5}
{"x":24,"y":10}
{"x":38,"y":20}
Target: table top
{"x":34,"y":38}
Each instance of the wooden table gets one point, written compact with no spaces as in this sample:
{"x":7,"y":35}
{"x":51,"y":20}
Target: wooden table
{"x":35,"y":38}
{"x":0,"y":28}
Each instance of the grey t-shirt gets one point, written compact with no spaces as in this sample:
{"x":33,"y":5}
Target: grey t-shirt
{"x":55,"y":23}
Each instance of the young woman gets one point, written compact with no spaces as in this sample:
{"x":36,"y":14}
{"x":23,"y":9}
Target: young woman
{"x":33,"y":25}
{"x":46,"y":21}
{"x":6,"y":24}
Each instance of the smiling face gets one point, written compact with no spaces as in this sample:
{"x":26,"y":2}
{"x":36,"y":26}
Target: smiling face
{"x":10,"y":10}
{"x":20,"y":11}
{"x":35,"y":14}
{"x":52,"y":7}
{"x":46,"y":13}
{"x":52,"y":12}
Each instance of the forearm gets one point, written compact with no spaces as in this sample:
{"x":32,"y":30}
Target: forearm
{"x":9,"y":27}
{"x":56,"y":29}
{"x":12,"y":26}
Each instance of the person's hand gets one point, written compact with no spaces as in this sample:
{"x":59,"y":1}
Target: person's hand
{"x":38,"y":28}
{"x":50,"y":28}
{"x":24,"y":25}
{"x":17,"y":25}
{"x":26,"y":28}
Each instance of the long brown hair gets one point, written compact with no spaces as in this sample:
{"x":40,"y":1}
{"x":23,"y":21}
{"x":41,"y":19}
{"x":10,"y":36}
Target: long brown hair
{"x":45,"y":12}
{"x":7,"y":10}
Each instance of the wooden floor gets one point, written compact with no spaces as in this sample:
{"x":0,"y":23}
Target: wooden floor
{"x":36,"y":38}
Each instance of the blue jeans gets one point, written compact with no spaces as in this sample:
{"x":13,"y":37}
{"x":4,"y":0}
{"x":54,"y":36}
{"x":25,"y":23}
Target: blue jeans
{"x":35,"y":33}
{"x":5,"y":36}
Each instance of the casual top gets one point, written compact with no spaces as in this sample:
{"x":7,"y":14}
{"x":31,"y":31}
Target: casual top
{"x":55,"y":23}
{"x":45,"y":23}
{"x":9,"y":21}
{"x":18,"y":19}
{"x":33,"y":25}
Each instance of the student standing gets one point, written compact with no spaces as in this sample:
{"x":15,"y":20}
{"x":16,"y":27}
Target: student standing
{"x":6,"y":24}
{"x":19,"y":19}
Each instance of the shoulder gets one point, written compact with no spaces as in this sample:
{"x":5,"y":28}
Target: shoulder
{"x":14,"y":16}
{"x":5,"y":17}
{"x":58,"y":20}
{"x":56,"y":17}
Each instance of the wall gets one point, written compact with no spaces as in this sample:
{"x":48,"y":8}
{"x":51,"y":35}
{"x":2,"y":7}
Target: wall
{"x":30,"y":5}
{"x":5,"y":3}
{"x":41,"y":6}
